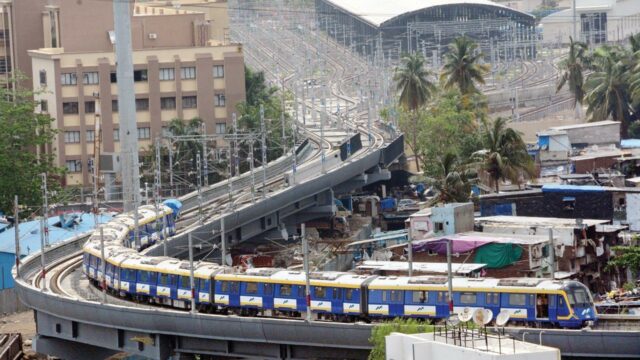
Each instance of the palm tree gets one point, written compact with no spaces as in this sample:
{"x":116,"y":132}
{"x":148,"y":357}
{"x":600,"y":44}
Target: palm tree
{"x":608,"y":88}
{"x":454,"y":181}
{"x":414,"y":84}
{"x":505,"y":155}
{"x":574,"y":67}
{"x":461,"y":68}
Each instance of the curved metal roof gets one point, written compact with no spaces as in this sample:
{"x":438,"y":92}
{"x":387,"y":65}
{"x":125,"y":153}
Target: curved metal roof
{"x":377,"y":12}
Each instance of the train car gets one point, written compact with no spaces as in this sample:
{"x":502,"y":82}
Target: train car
{"x":251,"y":291}
{"x":562,"y":303}
{"x":337,"y":293}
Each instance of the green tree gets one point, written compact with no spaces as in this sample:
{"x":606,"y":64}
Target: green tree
{"x":258,"y":93}
{"x":627,"y":257}
{"x":25,"y":136}
{"x":573,"y":73}
{"x":504,"y":155}
{"x":399,"y":325}
{"x":454,"y":181}
{"x":608,"y":87}
{"x":462,"y":68}
{"x":415,"y":87}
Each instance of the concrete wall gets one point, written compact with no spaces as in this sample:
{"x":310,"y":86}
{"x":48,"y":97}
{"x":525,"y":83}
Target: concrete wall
{"x":10,"y":303}
{"x":605,"y":134}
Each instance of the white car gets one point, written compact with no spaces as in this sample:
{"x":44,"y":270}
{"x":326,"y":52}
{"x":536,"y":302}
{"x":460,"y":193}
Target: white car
{"x":408,"y":205}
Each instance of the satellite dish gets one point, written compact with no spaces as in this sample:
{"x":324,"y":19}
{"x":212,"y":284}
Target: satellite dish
{"x":453,"y":320}
{"x":284,"y":233}
{"x":478,"y":317}
{"x":488,"y":316}
{"x":465,"y":315}
{"x":503,"y":318}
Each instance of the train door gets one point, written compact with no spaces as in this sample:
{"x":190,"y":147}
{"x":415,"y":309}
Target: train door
{"x":267,"y":296}
{"x":542,"y":306}
{"x":234,"y":294}
{"x":442,"y":304}
{"x":337,"y":300}
{"x":395,"y":299}
{"x":553,"y":308}
{"x":492,"y":302}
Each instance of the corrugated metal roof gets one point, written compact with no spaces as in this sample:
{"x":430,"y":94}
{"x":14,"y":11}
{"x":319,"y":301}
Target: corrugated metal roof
{"x":572,"y":188}
{"x":30,"y":233}
{"x":376,"y":12}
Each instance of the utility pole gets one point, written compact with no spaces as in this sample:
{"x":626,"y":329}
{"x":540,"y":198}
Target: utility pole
{"x":552,"y":255}
{"x":305,"y":250}
{"x":263,"y":132}
{"x":104,"y":266}
{"x":235,"y":145}
{"x":223,"y":242}
{"x":575,"y":21}
{"x":199,"y":184}
{"x":253,"y":179}
{"x":410,"y":251}
{"x":450,"y":276}
{"x":205,"y":165}
{"x":97,"y":137}
{"x":45,"y":209}
{"x":322,"y":117}
{"x":191,"y":279}
{"x":284,"y":143}
{"x":16,"y":224}
{"x":171,"y":169}
{"x":126,"y":105}
{"x":43,"y":230}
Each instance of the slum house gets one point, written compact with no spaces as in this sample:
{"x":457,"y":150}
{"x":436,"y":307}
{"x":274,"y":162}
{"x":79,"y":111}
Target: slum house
{"x":579,"y":248}
{"x":504,"y":255}
{"x":446,"y":219}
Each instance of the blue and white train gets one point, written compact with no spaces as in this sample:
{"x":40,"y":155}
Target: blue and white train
{"x":334,"y":295}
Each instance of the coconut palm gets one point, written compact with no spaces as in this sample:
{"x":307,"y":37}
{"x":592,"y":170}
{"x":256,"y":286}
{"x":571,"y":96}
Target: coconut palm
{"x":573,"y":73}
{"x":414,"y":84}
{"x":608,"y":88}
{"x":504,"y":156}
{"x":462,"y":68}
{"x":455,"y":180}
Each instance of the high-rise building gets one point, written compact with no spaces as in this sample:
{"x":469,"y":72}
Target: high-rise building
{"x":180,"y":71}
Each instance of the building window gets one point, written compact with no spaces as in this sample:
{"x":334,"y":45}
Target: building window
{"x":70,"y":107}
{"x":144,"y":133}
{"x":219,"y":100}
{"x":116,"y":134}
{"x":44,"y":105}
{"x":114,"y":78}
{"x":189,"y":102}
{"x":5,"y":65}
{"x":188,"y":72}
{"x":167,"y":74}
{"x":114,"y":105}
{"x":90,"y":78}
{"x":89,"y":107}
{"x":71,"y":137}
{"x":69,"y":79}
{"x":74,"y":166}
{"x":221,"y":128}
{"x":218,"y":71}
{"x":142,"y":104}
{"x":43,"y":77}
{"x":167,"y":103}
{"x":91,"y":135}
{"x":140,"y":75}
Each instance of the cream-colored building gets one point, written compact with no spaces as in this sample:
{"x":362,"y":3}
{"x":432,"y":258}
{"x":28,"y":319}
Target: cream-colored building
{"x":597,"y":21}
{"x":179,"y":72}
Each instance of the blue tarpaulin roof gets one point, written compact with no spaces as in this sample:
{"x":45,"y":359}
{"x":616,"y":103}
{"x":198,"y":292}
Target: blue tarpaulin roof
{"x":571,"y":188}
{"x":630,"y":143}
{"x":30,"y":233}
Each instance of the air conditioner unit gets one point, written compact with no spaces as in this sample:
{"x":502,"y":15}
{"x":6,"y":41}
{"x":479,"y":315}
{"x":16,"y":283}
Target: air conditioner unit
{"x":153,"y":36}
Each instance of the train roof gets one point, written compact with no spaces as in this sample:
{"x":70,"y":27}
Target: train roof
{"x":461,"y":284}
{"x":329,"y":278}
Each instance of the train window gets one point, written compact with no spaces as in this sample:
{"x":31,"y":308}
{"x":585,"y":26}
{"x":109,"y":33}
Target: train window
{"x":235,"y":287}
{"x":443,"y":297}
{"x":185,"y":282}
{"x":493,"y":298}
{"x":285,"y":290}
{"x":468,"y":298}
{"x":224,"y":286}
{"x":301,"y":291}
{"x":348,"y":294}
{"x":392,"y":296}
{"x":337,"y":293}
{"x":518,"y":299}
{"x":144,"y":276}
{"x":319,"y":292}
{"x":252,"y":288}
{"x":268,"y":289}
{"x":420,"y":296}
{"x":203,"y":285}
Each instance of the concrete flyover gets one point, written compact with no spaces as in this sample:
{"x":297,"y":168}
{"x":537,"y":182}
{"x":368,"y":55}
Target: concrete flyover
{"x":72,"y":328}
